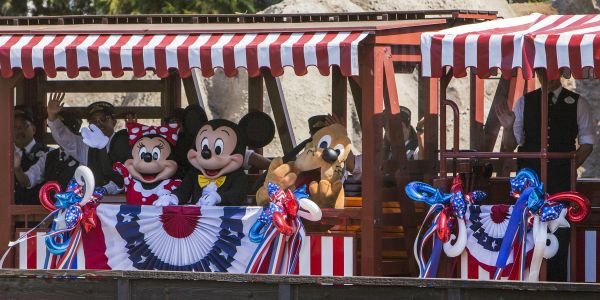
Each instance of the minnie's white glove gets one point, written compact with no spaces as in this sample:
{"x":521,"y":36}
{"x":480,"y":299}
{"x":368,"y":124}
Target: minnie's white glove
{"x":210,"y":199}
{"x":93,"y":137}
{"x":166,"y":200}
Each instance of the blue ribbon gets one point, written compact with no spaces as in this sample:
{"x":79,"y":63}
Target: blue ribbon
{"x":525,"y":178}
{"x":512,"y":228}
{"x":423,"y":192}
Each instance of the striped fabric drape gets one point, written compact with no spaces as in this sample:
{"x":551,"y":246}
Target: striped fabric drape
{"x":551,"y":42}
{"x":181,"y":52}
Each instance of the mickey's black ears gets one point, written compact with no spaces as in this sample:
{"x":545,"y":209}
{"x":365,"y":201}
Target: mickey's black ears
{"x":258,"y":128}
{"x":194,"y":117}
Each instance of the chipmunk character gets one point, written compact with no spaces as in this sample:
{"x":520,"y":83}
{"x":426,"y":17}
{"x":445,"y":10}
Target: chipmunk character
{"x":147,"y":175}
{"x":217,"y":176}
{"x":320,"y":167}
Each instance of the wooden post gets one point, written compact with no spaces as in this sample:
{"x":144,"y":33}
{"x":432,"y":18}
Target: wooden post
{"x":371,"y":72}
{"x":255,"y":93}
{"x":401,"y":175}
{"x":280,"y":112}
{"x":517,"y":89}
{"x":339,"y":94}
{"x":492,"y":125}
{"x":255,"y":99}
{"x":444,"y":82}
{"x":428,"y":98}
{"x":356,"y":95}
{"x":544,"y":130}
{"x":476,"y":112}
{"x":6,"y":163}
{"x":191,"y":85}
{"x":393,"y":125}
{"x":171,"y":94}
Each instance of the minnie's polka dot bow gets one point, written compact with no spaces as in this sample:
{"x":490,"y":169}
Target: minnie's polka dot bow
{"x":137,"y":131}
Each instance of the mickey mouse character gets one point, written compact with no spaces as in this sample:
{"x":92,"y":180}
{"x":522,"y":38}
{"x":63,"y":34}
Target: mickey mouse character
{"x":147,"y":175}
{"x":217,"y":176}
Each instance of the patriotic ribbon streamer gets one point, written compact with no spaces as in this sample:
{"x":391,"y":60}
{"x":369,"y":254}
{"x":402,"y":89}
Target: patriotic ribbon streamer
{"x":71,"y":212}
{"x":65,"y":234}
{"x":535,"y":210}
{"x":279,"y":233}
{"x":445,"y":210}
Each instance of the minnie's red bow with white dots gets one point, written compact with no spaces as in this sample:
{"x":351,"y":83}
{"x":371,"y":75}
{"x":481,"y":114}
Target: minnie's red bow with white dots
{"x":137,"y":131}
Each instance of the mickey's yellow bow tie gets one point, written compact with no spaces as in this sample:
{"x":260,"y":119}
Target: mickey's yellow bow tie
{"x":204,"y":181}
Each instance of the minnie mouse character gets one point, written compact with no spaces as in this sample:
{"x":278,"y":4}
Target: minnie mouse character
{"x":217,"y":176}
{"x":147,"y":176}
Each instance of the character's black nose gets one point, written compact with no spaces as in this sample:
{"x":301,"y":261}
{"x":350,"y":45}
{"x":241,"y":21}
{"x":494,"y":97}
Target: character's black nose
{"x":206,"y":154}
{"x":147,"y":157}
{"x":330,"y":155}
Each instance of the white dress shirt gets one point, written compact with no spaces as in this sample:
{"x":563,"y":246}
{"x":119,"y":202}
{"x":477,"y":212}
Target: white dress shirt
{"x":584,"y":120}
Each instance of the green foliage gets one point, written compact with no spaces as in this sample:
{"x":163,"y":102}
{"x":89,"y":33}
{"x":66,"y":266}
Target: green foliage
{"x":78,"y":7}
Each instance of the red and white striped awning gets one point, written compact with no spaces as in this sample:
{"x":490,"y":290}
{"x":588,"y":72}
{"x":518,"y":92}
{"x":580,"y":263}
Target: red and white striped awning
{"x":555,"y":42}
{"x":181,"y":52}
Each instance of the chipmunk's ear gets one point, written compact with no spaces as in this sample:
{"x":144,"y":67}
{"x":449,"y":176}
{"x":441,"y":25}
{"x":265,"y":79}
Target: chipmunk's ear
{"x":258,"y":129}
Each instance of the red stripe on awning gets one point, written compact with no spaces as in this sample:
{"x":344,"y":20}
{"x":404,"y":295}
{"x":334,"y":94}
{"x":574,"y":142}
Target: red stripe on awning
{"x":555,"y":40}
{"x":141,"y":53}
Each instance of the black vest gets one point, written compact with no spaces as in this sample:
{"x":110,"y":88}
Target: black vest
{"x":24,"y":195}
{"x":60,"y":167}
{"x":562,"y":132}
{"x":562,"y":122}
{"x":101,"y":161}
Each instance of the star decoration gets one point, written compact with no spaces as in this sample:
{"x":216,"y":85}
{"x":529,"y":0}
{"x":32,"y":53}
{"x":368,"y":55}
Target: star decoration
{"x":561,"y":221}
{"x":127,"y":218}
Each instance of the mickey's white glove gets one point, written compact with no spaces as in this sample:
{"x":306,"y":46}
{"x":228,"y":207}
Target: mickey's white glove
{"x":210,"y":199}
{"x":210,"y":188}
{"x":166,"y":200}
{"x":93,"y":137}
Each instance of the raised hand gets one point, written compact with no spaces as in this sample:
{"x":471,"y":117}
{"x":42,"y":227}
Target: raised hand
{"x":18,"y":157}
{"x":55,"y":104}
{"x":505,"y":116}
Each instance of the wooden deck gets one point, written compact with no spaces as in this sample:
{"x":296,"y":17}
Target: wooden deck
{"x":32,"y":284}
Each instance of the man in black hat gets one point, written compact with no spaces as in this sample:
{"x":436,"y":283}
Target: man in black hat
{"x":56,"y":165}
{"x":93,"y":147}
{"x":27,"y":153}
{"x":412,"y":144}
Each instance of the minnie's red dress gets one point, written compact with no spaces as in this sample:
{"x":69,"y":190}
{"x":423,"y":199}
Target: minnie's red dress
{"x":136,"y":194}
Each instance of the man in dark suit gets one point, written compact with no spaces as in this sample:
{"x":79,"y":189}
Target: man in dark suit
{"x":27,"y":153}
